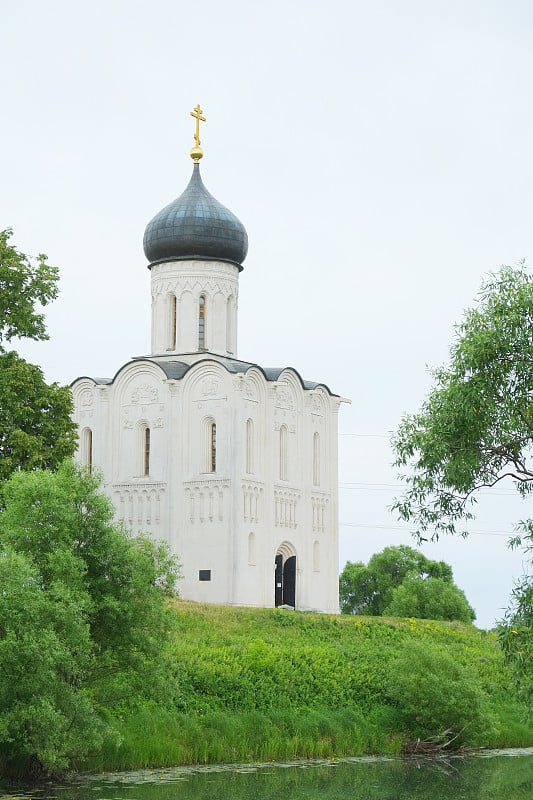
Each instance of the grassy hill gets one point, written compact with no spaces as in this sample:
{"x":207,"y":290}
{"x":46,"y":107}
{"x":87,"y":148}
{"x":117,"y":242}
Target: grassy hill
{"x":263,"y":684}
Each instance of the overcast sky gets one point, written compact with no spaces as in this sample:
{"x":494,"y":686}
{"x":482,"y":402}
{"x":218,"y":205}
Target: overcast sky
{"x":378,"y":153}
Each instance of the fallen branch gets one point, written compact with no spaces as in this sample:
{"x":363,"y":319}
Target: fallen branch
{"x":431,"y":746}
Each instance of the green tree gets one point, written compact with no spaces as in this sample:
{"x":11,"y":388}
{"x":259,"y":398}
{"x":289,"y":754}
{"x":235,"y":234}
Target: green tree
{"x":36,"y":429}
{"x":475,"y":429}
{"x":369,"y":589}
{"x":516,"y":630}
{"x":85,"y":607}
{"x":23,"y":284}
{"x":358,"y":590}
{"x":429,"y":598}
{"x":46,"y":716}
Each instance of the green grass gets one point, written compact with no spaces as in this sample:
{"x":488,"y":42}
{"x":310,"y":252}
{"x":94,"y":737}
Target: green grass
{"x":262,"y":685}
{"x":158,"y":738}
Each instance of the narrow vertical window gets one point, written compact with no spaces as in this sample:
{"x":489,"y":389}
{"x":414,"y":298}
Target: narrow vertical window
{"x":249,"y":446}
{"x":230,"y":325}
{"x":283,"y":453}
{"x":251,"y":549}
{"x":173,"y":321}
{"x":209,"y":445}
{"x":316,"y":557}
{"x":146,"y":452}
{"x":87,"y":449}
{"x":212,"y":447}
{"x":316,"y":459}
{"x":201,"y":322}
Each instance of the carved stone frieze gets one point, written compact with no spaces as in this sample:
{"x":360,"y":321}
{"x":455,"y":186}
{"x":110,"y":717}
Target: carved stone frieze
{"x":319,"y":507}
{"x":209,"y":483}
{"x":86,"y":401}
{"x":138,"y":505}
{"x":283,"y":398}
{"x":144,"y":395}
{"x":246,"y":387}
{"x":194,"y":283}
{"x":206,"y":499}
{"x":252,"y":493}
{"x":286,"y":503}
{"x":209,"y":387}
{"x":315,"y":405}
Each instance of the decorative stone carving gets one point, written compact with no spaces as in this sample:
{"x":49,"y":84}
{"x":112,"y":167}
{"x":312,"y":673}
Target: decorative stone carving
{"x":252,"y":501}
{"x":86,"y":400}
{"x":144,"y":394}
{"x":195,"y":283}
{"x":246,"y":387}
{"x":138,"y":505}
{"x":285,"y":507}
{"x":209,"y":387}
{"x":319,"y":505}
{"x":283,"y":398}
{"x":316,"y":405}
{"x":206,"y":499}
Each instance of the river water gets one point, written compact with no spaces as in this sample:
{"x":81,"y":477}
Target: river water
{"x":494,"y":775}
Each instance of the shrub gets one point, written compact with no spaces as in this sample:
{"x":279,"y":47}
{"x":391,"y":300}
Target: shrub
{"x":432,"y":692}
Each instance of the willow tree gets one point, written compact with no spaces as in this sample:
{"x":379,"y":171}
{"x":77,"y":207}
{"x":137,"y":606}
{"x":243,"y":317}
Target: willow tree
{"x":475,"y":429}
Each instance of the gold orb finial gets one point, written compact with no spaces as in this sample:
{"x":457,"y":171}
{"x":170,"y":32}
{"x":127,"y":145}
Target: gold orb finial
{"x":197,"y":152}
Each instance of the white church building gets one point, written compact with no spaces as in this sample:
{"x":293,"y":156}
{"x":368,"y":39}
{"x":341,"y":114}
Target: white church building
{"x":232,"y":463}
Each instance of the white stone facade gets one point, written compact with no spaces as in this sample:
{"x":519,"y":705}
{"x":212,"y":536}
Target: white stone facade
{"x":176,"y":288}
{"x":233,"y":465}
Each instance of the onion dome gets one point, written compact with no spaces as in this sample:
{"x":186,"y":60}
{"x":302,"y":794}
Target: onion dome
{"x":195,"y":225}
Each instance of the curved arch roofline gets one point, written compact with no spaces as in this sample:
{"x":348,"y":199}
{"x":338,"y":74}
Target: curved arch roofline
{"x":274,"y":374}
{"x":96,"y":381}
{"x":174,"y":369}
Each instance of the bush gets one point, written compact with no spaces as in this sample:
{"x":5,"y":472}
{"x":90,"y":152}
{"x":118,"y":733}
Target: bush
{"x":432,"y":692}
{"x":429,"y":598}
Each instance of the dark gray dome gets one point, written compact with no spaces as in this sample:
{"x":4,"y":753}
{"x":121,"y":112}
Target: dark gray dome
{"x":195,"y":226}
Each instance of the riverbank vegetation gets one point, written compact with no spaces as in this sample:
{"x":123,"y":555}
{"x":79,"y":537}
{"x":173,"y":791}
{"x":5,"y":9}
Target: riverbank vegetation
{"x":250,"y":684}
{"x":102,"y":668}
{"x":84,"y":620}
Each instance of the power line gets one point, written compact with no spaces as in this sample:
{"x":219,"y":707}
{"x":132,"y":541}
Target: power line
{"x":360,"y":485}
{"x":368,"y":435}
{"x":401,"y":486}
{"x":405,"y":529}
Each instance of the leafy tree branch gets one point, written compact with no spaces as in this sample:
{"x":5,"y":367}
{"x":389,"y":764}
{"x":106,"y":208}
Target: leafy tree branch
{"x":475,"y":429}
{"x":24,"y":283}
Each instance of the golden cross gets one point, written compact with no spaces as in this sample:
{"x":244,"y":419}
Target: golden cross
{"x":197,"y":114}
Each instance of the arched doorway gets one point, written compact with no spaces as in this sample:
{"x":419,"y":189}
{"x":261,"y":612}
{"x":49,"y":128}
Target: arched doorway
{"x":285,"y":576}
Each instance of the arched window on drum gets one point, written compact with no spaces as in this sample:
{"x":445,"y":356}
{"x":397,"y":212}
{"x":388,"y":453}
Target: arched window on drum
{"x":201,"y":322}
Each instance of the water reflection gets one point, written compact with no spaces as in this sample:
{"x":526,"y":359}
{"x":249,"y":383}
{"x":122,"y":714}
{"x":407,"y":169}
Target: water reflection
{"x":499,"y":777}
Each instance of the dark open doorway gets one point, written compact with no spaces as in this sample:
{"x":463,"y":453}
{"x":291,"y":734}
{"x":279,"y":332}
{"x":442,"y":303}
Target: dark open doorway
{"x":285,"y":581}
